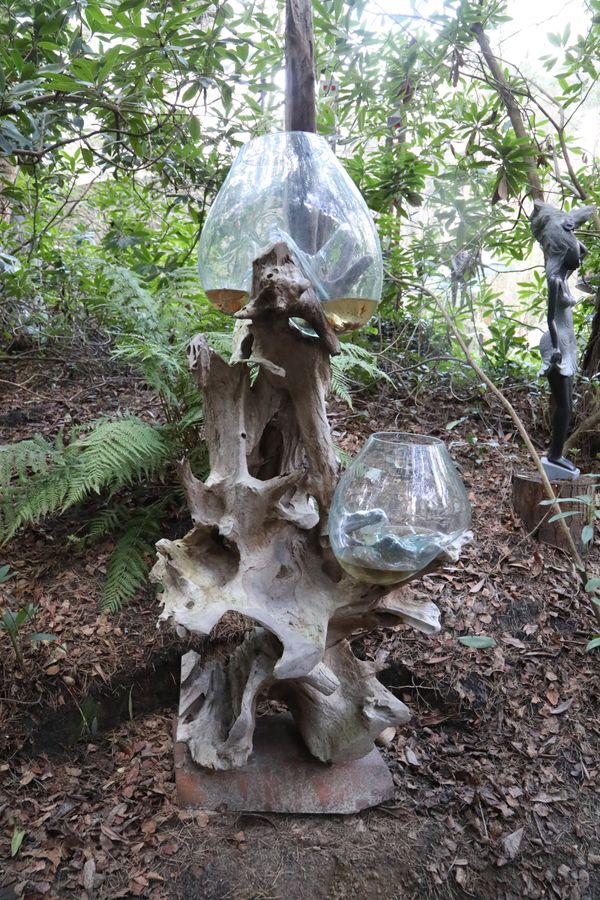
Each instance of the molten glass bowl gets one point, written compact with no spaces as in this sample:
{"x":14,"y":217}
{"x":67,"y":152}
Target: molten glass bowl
{"x":398,"y":506}
{"x":290,"y":187}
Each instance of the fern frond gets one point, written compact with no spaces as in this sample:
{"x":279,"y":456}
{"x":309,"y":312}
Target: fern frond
{"x":19,"y":461}
{"x":113,"y":454}
{"x":128,"y":567}
{"x":159,"y":362}
{"x":356,"y":352}
{"x":107,"y":521}
{"x":119,"y":452}
{"x":221,"y":341}
{"x":27,"y":504}
{"x":192,"y":417}
{"x":340,"y":384}
{"x":354,"y":365}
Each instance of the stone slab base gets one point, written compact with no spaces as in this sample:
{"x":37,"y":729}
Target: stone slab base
{"x":559,"y":473}
{"x":281,"y":776}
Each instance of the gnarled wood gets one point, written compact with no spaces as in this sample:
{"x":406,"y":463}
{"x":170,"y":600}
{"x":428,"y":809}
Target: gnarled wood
{"x":259,"y":548}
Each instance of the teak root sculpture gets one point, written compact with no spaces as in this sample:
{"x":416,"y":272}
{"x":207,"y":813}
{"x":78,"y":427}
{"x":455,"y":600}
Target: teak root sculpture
{"x":259,"y":546}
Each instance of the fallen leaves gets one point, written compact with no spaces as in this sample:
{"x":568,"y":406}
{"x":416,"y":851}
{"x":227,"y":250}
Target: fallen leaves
{"x":512,"y":843}
{"x":16,"y":840}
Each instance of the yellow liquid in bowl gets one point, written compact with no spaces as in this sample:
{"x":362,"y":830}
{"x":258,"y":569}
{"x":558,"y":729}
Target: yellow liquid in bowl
{"x":343,"y":314}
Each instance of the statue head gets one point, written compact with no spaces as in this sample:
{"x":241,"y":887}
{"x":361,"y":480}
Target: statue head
{"x":554,"y":230}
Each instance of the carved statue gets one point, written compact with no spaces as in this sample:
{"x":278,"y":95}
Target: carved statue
{"x":563,"y":254}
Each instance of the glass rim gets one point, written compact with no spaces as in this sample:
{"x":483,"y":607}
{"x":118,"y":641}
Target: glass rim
{"x":405,"y":437}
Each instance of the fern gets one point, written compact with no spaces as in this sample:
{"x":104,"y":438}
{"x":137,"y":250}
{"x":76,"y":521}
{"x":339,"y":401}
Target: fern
{"x":130,"y":563}
{"x":120,"y":452}
{"x":114,"y":454}
{"x":352,"y":366}
{"x":221,"y":342}
{"x":33,"y":456}
{"x":107,"y":522}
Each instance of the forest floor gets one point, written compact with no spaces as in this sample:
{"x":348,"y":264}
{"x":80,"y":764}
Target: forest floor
{"x":496,"y":775}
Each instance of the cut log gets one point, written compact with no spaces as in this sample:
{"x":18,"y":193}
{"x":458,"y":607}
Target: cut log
{"x":527,"y":496}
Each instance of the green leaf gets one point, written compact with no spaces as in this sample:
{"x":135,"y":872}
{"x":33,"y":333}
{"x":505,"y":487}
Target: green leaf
{"x":478,"y":641}
{"x":8,"y":622}
{"x":195,"y":127}
{"x":587,"y":534}
{"x":190,"y":92}
{"x":593,"y":584}
{"x":5,"y":573}
{"x":16,"y":840}
{"x":595,"y":642}
{"x":563,"y":515}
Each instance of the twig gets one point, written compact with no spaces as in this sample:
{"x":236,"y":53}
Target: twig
{"x":23,"y":388}
{"x":548,"y":489}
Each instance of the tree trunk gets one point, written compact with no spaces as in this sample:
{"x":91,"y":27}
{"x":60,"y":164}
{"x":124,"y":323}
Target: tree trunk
{"x":300,"y":111}
{"x":590,"y":365}
{"x":527,"y":495}
{"x":511,"y":106}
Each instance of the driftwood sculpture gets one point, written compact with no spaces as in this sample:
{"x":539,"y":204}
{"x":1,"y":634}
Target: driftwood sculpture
{"x":259,"y":545}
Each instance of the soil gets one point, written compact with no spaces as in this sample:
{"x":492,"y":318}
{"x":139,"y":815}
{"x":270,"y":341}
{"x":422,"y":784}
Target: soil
{"x":496,"y":775}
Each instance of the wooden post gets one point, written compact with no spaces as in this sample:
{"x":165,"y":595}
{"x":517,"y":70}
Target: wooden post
{"x":300,"y":112}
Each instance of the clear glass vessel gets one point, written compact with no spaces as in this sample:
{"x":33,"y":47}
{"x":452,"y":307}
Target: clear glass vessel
{"x":399,"y":505}
{"x":290,"y":187}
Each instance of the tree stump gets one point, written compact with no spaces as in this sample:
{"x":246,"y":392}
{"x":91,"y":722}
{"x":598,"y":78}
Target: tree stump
{"x":259,"y":545}
{"x":527,"y":495}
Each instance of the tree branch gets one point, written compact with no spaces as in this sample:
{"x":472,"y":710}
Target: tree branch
{"x":511,"y":107}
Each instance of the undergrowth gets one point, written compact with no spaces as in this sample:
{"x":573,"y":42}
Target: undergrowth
{"x":128,"y":465}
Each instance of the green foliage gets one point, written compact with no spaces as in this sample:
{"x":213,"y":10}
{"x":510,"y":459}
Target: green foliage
{"x":16,"y":840}
{"x":584,"y":503}
{"x":478,"y":642}
{"x":127,"y":570}
{"x":353,"y":366}
{"x":115,"y":455}
{"x":112,"y":455}
{"x":14,"y":624}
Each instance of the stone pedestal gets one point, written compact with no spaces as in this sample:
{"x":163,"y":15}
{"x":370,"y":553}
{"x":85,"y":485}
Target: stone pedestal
{"x":281,"y":776}
{"x":559,"y":473}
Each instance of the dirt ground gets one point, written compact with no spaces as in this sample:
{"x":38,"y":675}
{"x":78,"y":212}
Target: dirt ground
{"x":496,"y":775}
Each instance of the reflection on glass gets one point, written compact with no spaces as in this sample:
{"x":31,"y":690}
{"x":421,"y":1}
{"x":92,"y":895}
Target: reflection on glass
{"x":290,"y":187}
{"x":397,"y":507}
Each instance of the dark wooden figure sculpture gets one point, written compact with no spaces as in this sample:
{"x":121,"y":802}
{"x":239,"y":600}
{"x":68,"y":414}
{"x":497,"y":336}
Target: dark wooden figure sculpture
{"x":563,"y":252}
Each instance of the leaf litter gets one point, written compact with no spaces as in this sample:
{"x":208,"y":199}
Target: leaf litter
{"x":495,"y":776}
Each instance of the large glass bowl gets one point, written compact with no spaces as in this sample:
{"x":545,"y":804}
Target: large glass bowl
{"x":399,"y":505}
{"x":290,"y":187}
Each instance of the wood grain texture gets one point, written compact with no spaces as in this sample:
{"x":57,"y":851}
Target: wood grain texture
{"x":300,"y":110}
{"x":528,"y":493}
{"x":259,"y":544}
